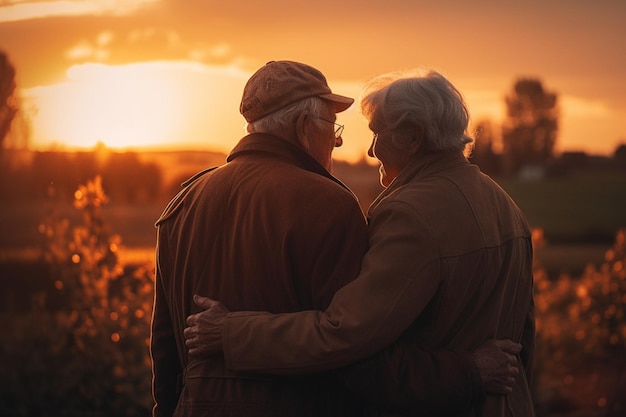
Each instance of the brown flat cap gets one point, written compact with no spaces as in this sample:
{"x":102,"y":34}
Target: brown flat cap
{"x":280,"y":83}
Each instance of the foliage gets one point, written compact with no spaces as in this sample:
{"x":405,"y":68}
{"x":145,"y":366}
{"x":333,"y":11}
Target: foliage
{"x":131,"y":180}
{"x":581,"y":336}
{"x":128,"y":179}
{"x":586,"y":207}
{"x":483,"y":153}
{"x":92,"y":356}
{"x":529,"y":132}
{"x":8,"y":100}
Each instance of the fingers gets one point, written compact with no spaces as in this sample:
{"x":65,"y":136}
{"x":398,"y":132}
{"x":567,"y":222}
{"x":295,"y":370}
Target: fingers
{"x":511,"y":358}
{"x":509,"y":346}
{"x":204,"y":302}
{"x":188,"y":333}
{"x":203,"y":334}
{"x":499,"y":365}
{"x":190,"y":343}
{"x":510,"y":382}
{"x":191,"y":320}
{"x":504,"y":385}
{"x":511,"y":379}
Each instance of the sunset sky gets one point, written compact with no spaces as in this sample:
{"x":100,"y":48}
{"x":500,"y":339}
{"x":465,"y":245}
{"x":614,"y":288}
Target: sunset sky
{"x":138,"y":73}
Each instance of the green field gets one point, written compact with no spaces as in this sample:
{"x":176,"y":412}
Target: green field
{"x":582,"y":209}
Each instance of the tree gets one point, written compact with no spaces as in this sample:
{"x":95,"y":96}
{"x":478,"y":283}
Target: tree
{"x":620,"y":155}
{"x":483,"y":153}
{"x":529,"y":132}
{"x":8,"y":101}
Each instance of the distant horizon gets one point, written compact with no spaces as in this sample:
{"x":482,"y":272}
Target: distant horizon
{"x":201,"y":149}
{"x":55,"y":147}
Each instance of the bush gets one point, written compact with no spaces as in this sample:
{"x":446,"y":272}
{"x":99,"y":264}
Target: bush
{"x":581,"y":337}
{"x":92,"y":356}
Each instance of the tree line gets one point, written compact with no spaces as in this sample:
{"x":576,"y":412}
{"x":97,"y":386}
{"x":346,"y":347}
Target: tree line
{"x":56,"y":175}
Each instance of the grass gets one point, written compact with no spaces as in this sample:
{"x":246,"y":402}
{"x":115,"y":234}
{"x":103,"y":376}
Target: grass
{"x":581,"y":209}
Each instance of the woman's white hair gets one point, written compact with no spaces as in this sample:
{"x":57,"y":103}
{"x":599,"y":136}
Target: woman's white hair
{"x":283,"y":118}
{"x":421,"y":99}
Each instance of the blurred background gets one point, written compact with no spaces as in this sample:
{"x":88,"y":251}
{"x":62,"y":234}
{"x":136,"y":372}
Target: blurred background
{"x":106,"y":107}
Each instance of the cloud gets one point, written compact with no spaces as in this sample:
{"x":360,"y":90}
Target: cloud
{"x":96,"y":51}
{"x":25,"y":9}
{"x":572,"y":106}
{"x":485,"y":104}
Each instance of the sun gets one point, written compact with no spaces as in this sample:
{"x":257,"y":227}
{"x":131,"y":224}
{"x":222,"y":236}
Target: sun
{"x":122,"y":107}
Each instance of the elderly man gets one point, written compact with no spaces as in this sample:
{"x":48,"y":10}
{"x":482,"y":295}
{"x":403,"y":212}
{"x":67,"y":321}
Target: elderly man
{"x":269,"y":230}
{"x":449,"y":266}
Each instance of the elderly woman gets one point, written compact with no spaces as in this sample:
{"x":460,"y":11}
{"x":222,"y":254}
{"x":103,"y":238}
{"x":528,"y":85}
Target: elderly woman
{"x":449,"y":264}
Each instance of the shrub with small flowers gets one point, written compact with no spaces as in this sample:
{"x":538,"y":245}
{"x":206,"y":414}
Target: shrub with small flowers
{"x":91,"y":357}
{"x":581,"y":337}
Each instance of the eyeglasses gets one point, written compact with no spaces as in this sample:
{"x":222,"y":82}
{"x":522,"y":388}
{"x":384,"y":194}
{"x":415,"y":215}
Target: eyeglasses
{"x":338,"y":130}
{"x":376,"y":135}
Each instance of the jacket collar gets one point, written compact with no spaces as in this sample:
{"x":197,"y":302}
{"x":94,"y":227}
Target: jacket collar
{"x":263,"y":143}
{"x":423,"y":166}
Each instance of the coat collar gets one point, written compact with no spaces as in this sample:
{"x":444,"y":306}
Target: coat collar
{"x":422,"y":167}
{"x":263,"y":143}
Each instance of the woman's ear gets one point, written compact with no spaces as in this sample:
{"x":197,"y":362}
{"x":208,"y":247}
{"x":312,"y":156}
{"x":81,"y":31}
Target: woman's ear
{"x":417,"y":140}
{"x":302,"y":131}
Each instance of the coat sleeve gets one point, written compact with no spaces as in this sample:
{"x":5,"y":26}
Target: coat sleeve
{"x":398,"y":278}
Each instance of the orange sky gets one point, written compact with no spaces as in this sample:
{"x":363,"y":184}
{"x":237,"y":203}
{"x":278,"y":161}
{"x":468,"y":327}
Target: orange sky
{"x":135,"y":73}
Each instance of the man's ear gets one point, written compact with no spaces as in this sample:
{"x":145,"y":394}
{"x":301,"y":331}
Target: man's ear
{"x":302,"y":128}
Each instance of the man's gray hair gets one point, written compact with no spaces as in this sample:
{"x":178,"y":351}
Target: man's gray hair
{"x":426,"y":100}
{"x":282,"y":118}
